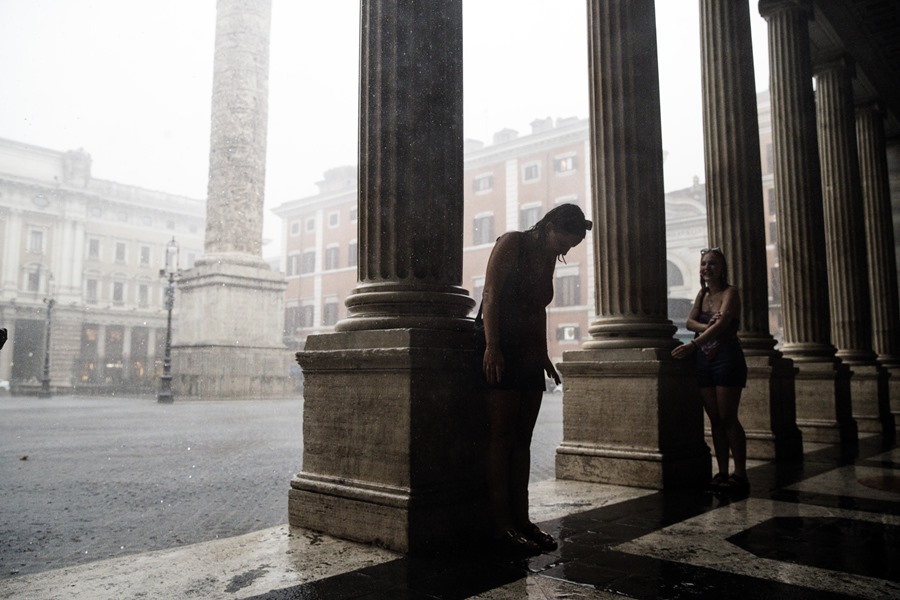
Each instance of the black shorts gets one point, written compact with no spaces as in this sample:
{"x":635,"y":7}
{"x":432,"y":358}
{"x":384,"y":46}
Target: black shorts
{"x":728,"y":368}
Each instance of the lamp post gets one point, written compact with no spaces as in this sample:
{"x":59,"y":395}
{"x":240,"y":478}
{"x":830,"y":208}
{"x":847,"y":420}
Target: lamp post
{"x":171,"y":271}
{"x":45,"y":374}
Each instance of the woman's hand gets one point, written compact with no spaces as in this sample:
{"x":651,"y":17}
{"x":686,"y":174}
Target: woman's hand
{"x":684,"y":350}
{"x":551,"y":370}
{"x":493,"y":365}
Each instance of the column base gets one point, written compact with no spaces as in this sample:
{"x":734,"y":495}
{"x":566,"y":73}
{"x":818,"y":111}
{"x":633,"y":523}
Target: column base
{"x":768,"y":408}
{"x":631,"y":417}
{"x":824,"y":412}
{"x":868,"y":388}
{"x":393,"y":440}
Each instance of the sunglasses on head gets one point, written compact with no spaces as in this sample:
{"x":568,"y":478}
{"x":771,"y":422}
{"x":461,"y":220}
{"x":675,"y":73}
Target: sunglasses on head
{"x":716,"y":249}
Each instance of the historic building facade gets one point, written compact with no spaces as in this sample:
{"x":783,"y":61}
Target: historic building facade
{"x":95,"y":248}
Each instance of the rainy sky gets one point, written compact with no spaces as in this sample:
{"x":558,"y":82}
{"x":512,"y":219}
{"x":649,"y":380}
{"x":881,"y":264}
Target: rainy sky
{"x":129,"y":81}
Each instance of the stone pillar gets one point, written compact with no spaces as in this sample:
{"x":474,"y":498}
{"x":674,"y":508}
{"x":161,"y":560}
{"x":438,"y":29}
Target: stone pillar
{"x":822,"y":381}
{"x":235,"y":350}
{"x":882,"y":262}
{"x":736,"y":222}
{"x":392,"y":439}
{"x":851,"y":323}
{"x":631,"y":414}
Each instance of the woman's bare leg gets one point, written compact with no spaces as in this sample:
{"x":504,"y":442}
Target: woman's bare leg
{"x":520,"y":462}
{"x":728,"y":401}
{"x":719,"y":435}
{"x":503,"y":407}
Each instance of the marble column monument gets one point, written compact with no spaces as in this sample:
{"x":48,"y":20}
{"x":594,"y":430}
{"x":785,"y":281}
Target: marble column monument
{"x":231,"y":304}
{"x":392,"y":434}
{"x":736,"y":222}
{"x":822,"y":382}
{"x":631,"y":413}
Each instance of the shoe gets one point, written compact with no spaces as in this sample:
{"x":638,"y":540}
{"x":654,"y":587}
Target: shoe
{"x":718,"y":483}
{"x":738,"y":485}
{"x":543,"y":539}
{"x":513,"y":543}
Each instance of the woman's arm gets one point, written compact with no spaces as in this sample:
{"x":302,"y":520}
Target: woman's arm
{"x":729,"y":309}
{"x":692,"y":323}
{"x":502,"y":260}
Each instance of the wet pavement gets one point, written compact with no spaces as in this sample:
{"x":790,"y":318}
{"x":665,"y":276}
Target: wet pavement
{"x":824,"y":527}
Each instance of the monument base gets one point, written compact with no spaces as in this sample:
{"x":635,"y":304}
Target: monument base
{"x":631,"y":417}
{"x":393,"y":440}
{"x":221,"y":372}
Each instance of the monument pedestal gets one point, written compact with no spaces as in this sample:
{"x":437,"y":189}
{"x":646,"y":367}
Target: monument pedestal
{"x":227,"y":345}
{"x":631,"y":417}
{"x":824,"y":412}
{"x":393,"y":440}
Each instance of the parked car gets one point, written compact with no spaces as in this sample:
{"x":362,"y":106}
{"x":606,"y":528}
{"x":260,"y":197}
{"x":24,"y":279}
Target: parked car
{"x":4,"y":386}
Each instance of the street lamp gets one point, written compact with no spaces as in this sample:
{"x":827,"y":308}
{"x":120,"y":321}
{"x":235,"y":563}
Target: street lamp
{"x":45,"y":375}
{"x":171,"y":271}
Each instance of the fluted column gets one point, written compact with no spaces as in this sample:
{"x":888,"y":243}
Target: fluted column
{"x":627,"y":178}
{"x":882,"y":262}
{"x":237,"y":153}
{"x":823,"y":381}
{"x":842,"y":201}
{"x":631,"y":414}
{"x":798,"y":191}
{"x":410,"y":225}
{"x":736,"y":219}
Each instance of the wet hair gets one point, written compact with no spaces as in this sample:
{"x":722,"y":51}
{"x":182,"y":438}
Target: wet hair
{"x":567,"y":218}
{"x":718,"y":251}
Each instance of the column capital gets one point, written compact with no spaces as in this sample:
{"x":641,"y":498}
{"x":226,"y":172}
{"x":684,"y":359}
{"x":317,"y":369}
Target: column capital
{"x":840,"y":61}
{"x":768,"y":8}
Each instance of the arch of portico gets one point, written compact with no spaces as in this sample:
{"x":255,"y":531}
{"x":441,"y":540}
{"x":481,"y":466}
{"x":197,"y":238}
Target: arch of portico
{"x":392,"y":430}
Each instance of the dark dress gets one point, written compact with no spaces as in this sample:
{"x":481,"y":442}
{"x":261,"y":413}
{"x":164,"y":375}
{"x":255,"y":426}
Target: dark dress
{"x":721,"y":362}
{"x":523,"y":323}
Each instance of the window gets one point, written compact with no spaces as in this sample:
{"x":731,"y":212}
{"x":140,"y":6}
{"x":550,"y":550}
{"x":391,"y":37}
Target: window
{"x":776,"y":284}
{"x":568,"y":333}
{"x":170,"y":224}
{"x":118,"y":293}
{"x":771,"y":196}
{"x":477,"y":291}
{"x":483,"y":229}
{"x":770,"y":159}
{"x":293,"y":265}
{"x":564,"y":164}
{"x":33,"y":281}
{"x":483,"y":183}
{"x":122,"y":216}
{"x":120,"y":252}
{"x":568,"y":290}
{"x":528,"y":216}
{"x":352,"y":254}
{"x":145,"y":255}
{"x":311,"y":224}
{"x":531,"y":172}
{"x":330,"y":313}
{"x":147,"y":221}
{"x":90,"y":291}
{"x":94,"y":249}
{"x":36,"y":241}
{"x":354,"y":215}
{"x":773,"y":232}
{"x":332,"y":255}
{"x":308,"y":262}
{"x":295,"y":228}
{"x":143,"y":295}
{"x":334,"y":219}
{"x":306,"y":315}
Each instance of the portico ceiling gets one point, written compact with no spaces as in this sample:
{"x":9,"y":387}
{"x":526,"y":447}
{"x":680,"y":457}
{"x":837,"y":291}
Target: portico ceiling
{"x":869,"y":32}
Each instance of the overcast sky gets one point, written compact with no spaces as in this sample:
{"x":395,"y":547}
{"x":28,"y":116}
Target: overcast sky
{"x":130,"y":80}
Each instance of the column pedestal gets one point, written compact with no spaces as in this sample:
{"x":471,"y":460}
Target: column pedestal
{"x":868,"y":386}
{"x":232,"y":355}
{"x":632,"y":417}
{"x":824,"y":411}
{"x":393,"y":440}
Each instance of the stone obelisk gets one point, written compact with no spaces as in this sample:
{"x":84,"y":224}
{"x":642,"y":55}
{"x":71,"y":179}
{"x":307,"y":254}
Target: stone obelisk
{"x":231,"y":304}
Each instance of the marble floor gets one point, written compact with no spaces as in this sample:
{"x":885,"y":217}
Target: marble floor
{"x":826,"y":527}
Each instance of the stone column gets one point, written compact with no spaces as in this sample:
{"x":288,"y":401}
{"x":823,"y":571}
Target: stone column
{"x":392,"y":437}
{"x":235,"y":350}
{"x":631,"y":414}
{"x":882,"y":262}
{"x":736,"y":221}
{"x":851,"y":323}
{"x":822,"y":382}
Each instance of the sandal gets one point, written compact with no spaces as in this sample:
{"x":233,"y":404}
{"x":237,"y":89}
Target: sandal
{"x":513,"y":543}
{"x":543,"y":539}
{"x":718,"y":483}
